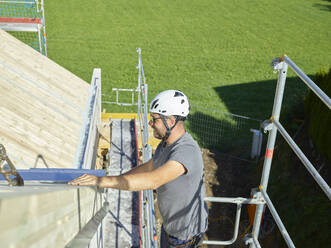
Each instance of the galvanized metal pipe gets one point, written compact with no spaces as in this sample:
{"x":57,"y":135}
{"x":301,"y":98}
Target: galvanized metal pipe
{"x":235,"y":234}
{"x":147,"y":219}
{"x":325,"y":187}
{"x":237,"y":200}
{"x":23,"y":2}
{"x":146,"y":133}
{"x":256,"y":242}
{"x":142,"y":219}
{"x":39,"y":40}
{"x":270,"y":146}
{"x":151,"y":220}
{"x":147,"y":213}
{"x":89,"y":116}
{"x":44,"y":26}
{"x":308,"y":82}
{"x":278,"y":220}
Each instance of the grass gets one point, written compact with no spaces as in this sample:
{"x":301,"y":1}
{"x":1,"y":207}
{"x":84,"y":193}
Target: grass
{"x":217,"y":52}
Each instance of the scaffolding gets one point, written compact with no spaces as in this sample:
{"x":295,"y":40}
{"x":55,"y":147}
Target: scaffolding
{"x":260,"y":195}
{"x":25,"y":20}
{"x":147,"y":215}
{"x":273,"y":125}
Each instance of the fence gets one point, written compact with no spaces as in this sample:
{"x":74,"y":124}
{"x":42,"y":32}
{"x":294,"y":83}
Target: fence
{"x":225,"y":132}
{"x":25,"y":20}
{"x":21,"y":8}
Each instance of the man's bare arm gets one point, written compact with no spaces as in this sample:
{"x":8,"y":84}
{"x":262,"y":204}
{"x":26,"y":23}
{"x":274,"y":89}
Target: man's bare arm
{"x":135,"y":181}
{"x":145,"y":167}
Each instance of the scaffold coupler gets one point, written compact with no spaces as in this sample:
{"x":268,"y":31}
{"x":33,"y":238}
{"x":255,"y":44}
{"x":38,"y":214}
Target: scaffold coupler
{"x":8,"y":170}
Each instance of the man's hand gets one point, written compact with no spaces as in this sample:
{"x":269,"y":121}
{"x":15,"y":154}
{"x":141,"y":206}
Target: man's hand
{"x":86,"y":180}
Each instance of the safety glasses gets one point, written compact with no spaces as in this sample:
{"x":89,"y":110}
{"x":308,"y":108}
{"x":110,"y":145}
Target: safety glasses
{"x":153,"y":119}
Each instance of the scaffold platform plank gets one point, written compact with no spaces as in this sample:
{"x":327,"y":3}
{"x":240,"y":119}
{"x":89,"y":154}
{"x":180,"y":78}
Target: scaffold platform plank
{"x":121,"y":224}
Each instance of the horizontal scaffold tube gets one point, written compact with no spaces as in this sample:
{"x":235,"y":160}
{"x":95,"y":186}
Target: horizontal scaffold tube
{"x":325,"y":187}
{"x":308,"y":82}
{"x":237,"y":200}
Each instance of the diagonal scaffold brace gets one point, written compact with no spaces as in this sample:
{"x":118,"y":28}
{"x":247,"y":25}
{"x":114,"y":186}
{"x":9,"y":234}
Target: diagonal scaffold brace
{"x":8,"y":170}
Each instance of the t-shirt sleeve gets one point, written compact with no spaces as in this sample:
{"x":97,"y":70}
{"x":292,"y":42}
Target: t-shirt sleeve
{"x":187,"y":155}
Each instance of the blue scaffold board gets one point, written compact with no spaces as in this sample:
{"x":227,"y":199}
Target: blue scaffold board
{"x":55,"y":175}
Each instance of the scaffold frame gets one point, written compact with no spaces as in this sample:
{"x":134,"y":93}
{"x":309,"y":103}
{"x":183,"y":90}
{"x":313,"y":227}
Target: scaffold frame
{"x":25,"y":19}
{"x":273,"y":125}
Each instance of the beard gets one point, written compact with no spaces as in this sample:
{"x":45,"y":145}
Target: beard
{"x":157,"y":134}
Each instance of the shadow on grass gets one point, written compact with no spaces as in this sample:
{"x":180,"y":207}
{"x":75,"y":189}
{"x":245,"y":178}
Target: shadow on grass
{"x":255,"y":99}
{"x":324,"y":7}
{"x":232,"y":134}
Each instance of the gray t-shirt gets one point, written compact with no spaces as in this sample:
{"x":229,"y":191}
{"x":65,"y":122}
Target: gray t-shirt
{"x":180,"y":201}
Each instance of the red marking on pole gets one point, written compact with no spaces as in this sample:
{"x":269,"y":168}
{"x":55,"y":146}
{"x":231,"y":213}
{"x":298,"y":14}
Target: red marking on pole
{"x":20,"y":20}
{"x":269,"y":153}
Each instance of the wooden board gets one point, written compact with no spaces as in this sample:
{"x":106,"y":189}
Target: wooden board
{"x":41,"y":107}
{"x":46,"y":219}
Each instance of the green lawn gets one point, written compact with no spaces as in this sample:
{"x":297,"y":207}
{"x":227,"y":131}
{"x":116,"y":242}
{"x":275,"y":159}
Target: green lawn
{"x":217,"y":52}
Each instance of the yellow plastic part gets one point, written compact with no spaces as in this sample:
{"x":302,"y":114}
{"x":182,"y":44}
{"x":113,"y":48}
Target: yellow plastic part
{"x":151,"y":140}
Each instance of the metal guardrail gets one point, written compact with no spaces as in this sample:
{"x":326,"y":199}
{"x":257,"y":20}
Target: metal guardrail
{"x":309,"y":166}
{"x":238,"y":201}
{"x":117,"y":101}
{"x":273,"y":125}
{"x":318,"y":92}
{"x":148,"y":227}
{"x":85,"y":152}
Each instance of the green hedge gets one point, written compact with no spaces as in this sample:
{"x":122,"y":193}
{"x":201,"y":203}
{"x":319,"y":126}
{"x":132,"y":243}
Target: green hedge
{"x":319,"y":115}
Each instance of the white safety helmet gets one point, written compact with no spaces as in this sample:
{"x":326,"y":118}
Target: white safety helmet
{"x":170,"y":102}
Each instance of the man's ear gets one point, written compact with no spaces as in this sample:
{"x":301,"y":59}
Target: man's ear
{"x":172,"y":120}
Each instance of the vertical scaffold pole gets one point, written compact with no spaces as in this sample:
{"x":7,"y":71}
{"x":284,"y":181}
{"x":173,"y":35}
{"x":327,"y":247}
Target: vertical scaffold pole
{"x":139,"y":92}
{"x":145,"y":89}
{"x":282,"y":67}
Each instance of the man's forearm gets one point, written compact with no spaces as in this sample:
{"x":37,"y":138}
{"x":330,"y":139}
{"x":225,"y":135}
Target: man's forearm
{"x":132,"y":182}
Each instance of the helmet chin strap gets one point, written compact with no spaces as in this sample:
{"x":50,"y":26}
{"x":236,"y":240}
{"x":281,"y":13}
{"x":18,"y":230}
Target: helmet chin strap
{"x":169,"y":129}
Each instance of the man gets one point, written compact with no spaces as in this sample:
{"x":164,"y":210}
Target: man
{"x":176,"y":173}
